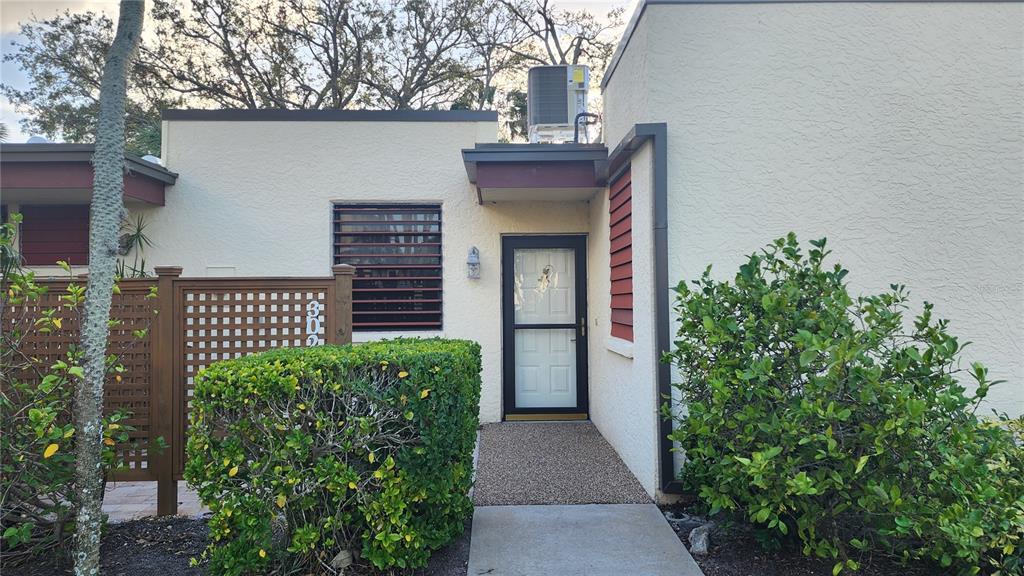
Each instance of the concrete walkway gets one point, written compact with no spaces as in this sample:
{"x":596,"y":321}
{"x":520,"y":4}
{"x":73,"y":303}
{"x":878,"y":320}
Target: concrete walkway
{"x":584,"y":540}
{"x":125,"y":501}
{"x":553,"y":498}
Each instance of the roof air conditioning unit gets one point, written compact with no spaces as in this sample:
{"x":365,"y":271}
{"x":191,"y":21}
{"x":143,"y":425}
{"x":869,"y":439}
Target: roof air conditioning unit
{"x":554,"y":96}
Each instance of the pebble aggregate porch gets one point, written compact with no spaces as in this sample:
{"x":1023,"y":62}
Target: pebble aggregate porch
{"x":551,"y":463}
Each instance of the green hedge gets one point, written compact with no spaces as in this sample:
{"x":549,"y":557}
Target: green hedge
{"x":307,"y":456}
{"x":842,"y":423}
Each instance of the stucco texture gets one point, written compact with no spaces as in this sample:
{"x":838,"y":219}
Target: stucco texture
{"x":894,"y":129}
{"x":253,"y":198}
{"x":623,"y":386}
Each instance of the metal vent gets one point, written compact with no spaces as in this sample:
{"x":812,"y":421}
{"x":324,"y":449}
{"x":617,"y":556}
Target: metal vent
{"x":547,"y":95}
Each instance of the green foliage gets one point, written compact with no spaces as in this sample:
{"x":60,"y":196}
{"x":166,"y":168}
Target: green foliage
{"x":835,"y":421}
{"x":37,"y":488}
{"x":303,"y":454}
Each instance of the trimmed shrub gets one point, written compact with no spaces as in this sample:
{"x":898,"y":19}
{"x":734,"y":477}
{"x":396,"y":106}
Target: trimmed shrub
{"x":829,"y":418}
{"x":311,"y":457}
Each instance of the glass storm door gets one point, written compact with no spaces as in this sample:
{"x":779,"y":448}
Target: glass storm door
{"x":544,"y":316}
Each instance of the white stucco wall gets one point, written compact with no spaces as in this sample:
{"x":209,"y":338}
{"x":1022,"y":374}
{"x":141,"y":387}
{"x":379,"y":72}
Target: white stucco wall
{"x":894,"y":129}
{"x":623,"y":387}
{"x":253,"y":198}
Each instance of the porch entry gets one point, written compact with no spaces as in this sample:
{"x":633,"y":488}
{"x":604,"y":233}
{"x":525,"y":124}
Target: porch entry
{"x":544,"y":327}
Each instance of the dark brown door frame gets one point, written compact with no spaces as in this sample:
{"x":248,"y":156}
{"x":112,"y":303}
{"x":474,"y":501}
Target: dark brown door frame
{"x":509,"y":244}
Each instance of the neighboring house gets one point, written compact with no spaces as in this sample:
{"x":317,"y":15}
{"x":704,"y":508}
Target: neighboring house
{"x":894,"y":129}
{"x":51,"y":186}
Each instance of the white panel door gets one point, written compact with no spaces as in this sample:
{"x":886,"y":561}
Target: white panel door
{"x":544,"y":295}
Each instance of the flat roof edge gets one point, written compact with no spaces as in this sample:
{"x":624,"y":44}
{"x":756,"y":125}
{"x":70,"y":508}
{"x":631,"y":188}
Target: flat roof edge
{"x":281,"y":115}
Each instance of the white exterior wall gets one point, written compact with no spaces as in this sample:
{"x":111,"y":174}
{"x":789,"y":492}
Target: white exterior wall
{"x":894,"y":129}
{"x":623,"y":387}
{"x":253,"y":198}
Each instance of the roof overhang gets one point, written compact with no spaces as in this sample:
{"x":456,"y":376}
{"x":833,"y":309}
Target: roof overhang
{"x":62,"y":173}
{"x":536,"y":172}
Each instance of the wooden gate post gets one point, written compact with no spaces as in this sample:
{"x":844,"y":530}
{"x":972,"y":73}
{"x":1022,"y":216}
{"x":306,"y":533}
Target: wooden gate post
{"x":342,"y":309}
{"x":161,"y":407}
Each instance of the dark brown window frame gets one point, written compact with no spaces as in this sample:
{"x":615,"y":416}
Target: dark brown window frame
{"x":397,"y":251}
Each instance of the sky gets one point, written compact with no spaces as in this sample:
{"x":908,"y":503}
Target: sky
{"x":14,"y":11}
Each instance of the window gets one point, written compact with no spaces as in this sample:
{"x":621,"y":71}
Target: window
{"x":620,"y":206}
{"x":50,"y":233}
{"x":396,"y":249}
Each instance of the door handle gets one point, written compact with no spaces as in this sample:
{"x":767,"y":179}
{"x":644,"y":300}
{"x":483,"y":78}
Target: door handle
{"x":583,"y":326}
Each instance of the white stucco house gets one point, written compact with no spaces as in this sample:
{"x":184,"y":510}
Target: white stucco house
{"x":896,"y":129}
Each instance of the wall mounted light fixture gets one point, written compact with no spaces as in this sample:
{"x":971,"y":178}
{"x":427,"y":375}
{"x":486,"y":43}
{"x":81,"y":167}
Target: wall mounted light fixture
{"x":473,"y":264}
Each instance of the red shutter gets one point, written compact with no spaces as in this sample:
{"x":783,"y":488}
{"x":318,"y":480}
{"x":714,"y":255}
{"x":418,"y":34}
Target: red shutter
{"x":52,"y":233}
{"x":620,"y":209}
{"x":396,"y":249}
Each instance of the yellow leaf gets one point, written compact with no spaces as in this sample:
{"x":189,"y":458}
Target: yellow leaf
{"x":425,"y":393}
{"x":263,"y":553}
{"x":233,"y":471}
{"x":301,"y":406}
{"x":352,"y":485}
{"x":108,"y":441}
{"x":408,"y":537}
{"x":403,"y":374}
{"x":118,"y":378}
{"x":50,"y":450}
{"x":227,"y":461}
{"x":114,"y":426}
{"x":57,"y":322}
{"x":372,"y":457}
{"x":280,"y":501}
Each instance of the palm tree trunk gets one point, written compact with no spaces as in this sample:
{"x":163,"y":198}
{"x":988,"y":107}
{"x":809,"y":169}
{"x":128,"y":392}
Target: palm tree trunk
{"x":104,"y":222}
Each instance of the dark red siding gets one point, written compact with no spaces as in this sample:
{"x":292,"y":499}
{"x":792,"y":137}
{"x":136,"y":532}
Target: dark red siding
{"x":620,"y":208}
{"x":75,"y":175}
{"x":52,"y":233}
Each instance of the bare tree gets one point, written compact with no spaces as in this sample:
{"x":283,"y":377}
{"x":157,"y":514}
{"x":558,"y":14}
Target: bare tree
{"x":493,"y":27}
{"x":424,"y":56}
{"x":306,"y":54}
{"x":104,"y":224}
{"x":563,"y":36}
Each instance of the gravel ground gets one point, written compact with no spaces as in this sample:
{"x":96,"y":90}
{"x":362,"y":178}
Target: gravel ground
{"x":551,"y":463}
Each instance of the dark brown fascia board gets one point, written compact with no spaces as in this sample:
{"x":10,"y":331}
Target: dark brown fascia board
{"x":280,"y":115}
{"x":657,"y":134}
{"x":501,"y":153}
{"x":69,"y":152}
{"x":638,"y":13}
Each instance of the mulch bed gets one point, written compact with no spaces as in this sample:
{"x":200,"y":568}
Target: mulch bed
{"x":165,"y":546}
{"x":735,"y":551}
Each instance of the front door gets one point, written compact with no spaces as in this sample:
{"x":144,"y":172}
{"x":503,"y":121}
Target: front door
{"x":544,"y":300}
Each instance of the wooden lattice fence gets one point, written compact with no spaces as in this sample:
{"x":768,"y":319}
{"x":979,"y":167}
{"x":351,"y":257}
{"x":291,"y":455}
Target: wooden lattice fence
{"x":189,"y":323}
{"x":134,"y":310}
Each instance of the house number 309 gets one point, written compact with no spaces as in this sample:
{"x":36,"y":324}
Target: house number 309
{"x":313,"y":323}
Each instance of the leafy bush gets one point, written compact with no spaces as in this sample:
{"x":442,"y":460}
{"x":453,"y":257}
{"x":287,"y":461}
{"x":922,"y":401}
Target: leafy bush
{"x":309,"y":457}
{"x":826,"y":416}
{"x":37,"y":488}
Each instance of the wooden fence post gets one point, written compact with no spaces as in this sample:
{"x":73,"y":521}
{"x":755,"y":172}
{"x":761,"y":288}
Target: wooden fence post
{"x":342,"y":304}
{"x":162,"y":408}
